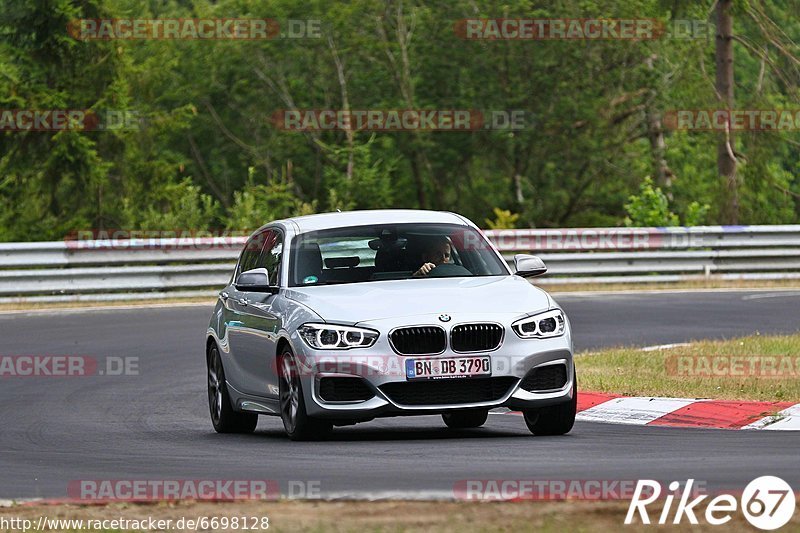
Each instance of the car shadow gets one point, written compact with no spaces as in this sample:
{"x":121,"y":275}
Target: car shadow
{"x":398,"y":429}
{"x":362,"y":432}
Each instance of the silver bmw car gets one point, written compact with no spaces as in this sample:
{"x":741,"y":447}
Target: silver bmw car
{"x":339,"y":318}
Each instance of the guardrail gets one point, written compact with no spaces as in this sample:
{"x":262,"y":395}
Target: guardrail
{"x":142,"y":268}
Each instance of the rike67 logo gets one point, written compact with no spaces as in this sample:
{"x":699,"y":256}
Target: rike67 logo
{"x":767,"y":502}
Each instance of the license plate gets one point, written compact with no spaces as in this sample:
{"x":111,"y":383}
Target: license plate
{"x":452,"y":367}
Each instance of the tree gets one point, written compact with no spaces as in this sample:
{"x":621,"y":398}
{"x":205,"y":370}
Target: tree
{"x":726,"y":158}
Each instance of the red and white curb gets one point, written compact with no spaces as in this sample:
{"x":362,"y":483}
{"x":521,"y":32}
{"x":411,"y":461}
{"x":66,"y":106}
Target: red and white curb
{"x":685,"y":412}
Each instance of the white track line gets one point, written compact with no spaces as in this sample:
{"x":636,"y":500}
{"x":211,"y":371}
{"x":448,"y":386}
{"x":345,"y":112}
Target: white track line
{"x":406,"y":495}
{"x":19,"y":501}
{"x":635,"y":411}
{"x":786,"y":420}
{"x":658,"y":347}
{"x":770,"y":295}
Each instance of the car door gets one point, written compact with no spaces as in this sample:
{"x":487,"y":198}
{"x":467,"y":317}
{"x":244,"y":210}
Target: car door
{"x":254,"y":326}
{"x":236,"y":337}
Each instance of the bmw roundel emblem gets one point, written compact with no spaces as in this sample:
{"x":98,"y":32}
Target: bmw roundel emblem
{"x":444,"y":318}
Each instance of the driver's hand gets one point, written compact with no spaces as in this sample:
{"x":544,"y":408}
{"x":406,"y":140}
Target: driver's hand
{"x":423,"y":270}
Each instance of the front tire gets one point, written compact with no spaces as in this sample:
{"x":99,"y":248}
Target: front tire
{"x":554,"y":419}
{"x":223,"y":417}
{"x":298,"y":425}
{"x":472,"y":418}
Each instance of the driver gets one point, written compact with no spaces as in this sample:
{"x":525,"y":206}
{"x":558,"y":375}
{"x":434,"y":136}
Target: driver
{"x":434,"y":254}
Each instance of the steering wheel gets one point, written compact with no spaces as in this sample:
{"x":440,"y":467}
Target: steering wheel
{"x":448,"y":270}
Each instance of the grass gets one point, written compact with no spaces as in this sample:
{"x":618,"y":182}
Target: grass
{"x":395,"y":516}
{"x":670,"y":373}
{"x":703,"y":284}
{"x":36,"y":306}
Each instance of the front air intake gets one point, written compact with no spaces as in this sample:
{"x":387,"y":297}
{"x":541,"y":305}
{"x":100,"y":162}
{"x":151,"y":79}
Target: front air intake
{"x":545,"y":378}
{"x":449,"y":391}
{"x":344,"y":389}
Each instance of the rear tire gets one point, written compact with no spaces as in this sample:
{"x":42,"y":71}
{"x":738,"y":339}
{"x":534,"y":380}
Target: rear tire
{"x":554,"y":419}
{"x":298,"y":425}
{"x":223,"y":417}
{"x":472,"y":418}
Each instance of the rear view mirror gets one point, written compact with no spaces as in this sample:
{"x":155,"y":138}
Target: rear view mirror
{"x":528,"y":266}
{"x":255,"y":280}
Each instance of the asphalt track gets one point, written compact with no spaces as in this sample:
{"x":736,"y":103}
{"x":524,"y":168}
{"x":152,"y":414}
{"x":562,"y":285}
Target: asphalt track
{"x":155,"y":425}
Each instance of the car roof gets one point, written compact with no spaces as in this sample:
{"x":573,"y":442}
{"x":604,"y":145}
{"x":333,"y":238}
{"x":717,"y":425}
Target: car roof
{"x":373,"y":216}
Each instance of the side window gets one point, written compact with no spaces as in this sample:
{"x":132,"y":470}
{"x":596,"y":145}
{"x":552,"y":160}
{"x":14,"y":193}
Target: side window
{"x":271,"y":256}
{"x":251,"y":253}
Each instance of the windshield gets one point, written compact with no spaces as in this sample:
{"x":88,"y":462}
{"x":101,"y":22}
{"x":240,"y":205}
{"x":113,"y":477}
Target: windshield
{"x":388,"y":252}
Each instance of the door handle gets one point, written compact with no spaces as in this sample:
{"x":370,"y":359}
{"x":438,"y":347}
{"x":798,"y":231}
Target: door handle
{"x":244,"y":301}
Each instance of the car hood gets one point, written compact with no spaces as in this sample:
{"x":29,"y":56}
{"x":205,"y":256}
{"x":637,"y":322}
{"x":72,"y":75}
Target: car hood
{"x":376,"y":300}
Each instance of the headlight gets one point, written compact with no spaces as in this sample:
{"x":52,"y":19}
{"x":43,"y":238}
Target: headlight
{"x":333,"y":337}
{"x":541,"y":326}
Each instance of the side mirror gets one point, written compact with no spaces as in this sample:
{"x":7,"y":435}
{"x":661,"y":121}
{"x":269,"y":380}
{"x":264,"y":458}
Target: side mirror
{"x":528,"y":266}
{"x":255,"y":280}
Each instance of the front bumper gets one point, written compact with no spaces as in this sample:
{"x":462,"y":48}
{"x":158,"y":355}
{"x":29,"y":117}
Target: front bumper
{"x":377,"y":370}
